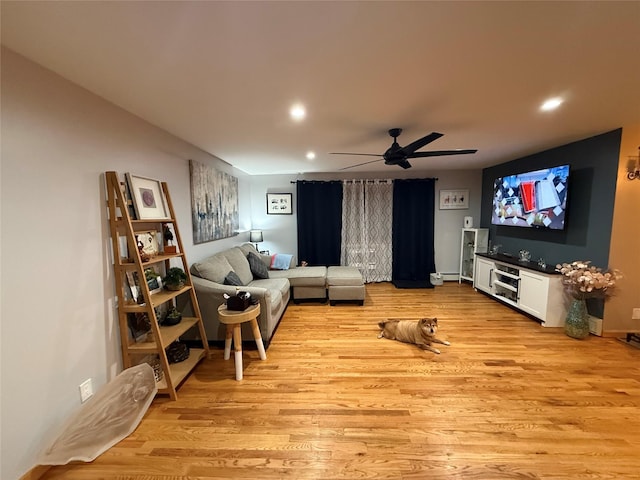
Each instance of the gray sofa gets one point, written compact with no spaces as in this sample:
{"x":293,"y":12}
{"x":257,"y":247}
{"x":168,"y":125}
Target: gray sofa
{"x":273,"y":293}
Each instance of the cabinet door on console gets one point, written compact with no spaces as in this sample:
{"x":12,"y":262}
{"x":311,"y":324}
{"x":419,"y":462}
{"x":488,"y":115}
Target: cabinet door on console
{"x":484,"y":271}
{"x":534,"y":292}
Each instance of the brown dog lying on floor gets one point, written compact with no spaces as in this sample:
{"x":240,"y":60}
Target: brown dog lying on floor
{"x":419,"y":332}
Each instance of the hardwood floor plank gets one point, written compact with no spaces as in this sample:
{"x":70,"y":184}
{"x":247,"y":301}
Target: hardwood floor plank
{"x":508,"y":399}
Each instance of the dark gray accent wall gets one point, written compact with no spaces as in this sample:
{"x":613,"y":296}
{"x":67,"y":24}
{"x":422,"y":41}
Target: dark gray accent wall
{"x":591,"y":195}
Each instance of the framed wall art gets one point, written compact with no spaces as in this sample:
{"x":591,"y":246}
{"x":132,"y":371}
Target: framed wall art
{"x":147,"y":197}
{"x":279,"y":204}
{"x":214,"y":203}
{"x":454,"y":199}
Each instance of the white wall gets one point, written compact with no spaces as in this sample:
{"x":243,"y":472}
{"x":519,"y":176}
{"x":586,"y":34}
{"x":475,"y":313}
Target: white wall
{"x":58,"y":323}
{"x":280,"y":230}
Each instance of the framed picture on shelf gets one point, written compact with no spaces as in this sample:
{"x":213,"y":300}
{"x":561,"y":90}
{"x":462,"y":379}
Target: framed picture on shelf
{"x":454,"y":199}
{"x":147,"y":197}
{"x":139,"y":325}
{"x":279,"y":204}
{"x":134,"y":287}
{"x":148,"y":242}
{"x":154,"y":281}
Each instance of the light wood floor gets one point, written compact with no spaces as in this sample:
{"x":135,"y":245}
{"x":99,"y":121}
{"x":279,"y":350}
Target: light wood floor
{"x":508,"y":399}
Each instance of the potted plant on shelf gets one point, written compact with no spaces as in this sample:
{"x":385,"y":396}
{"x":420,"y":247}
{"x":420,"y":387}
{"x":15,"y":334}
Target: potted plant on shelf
{"x":582,"y":282}
{"x":167,"y":234}
{"x":175,"y":278}
{"x":173,"y":317}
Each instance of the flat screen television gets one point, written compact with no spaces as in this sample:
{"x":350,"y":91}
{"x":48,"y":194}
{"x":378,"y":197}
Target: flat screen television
{"x":536,"y":199}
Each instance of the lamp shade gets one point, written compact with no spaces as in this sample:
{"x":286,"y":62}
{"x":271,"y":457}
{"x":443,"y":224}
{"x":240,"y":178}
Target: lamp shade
{"x":255,"y":236}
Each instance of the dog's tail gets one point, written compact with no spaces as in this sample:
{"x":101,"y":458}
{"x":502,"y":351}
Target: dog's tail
{"x":382,"y":324}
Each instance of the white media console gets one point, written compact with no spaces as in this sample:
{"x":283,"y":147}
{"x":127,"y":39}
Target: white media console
{"x":523,"y":285}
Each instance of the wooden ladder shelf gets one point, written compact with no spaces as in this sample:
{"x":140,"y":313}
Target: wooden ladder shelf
{"x":128,"y":263}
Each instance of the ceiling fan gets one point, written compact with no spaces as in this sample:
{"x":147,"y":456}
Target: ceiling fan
{"x":397,"y":155}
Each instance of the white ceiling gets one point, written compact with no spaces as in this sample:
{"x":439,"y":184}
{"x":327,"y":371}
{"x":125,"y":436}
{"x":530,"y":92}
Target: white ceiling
{"x":222,"y":75}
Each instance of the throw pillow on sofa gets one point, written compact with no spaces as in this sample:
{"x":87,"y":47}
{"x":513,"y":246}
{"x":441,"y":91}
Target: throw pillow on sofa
{"x":258,"y":268}
{"x":232,"y":278}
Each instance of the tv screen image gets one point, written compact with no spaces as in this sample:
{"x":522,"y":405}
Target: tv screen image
{"x":536,"y":199}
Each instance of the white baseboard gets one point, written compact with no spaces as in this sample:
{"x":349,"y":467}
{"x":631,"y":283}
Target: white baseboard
{"x":450,"y":277}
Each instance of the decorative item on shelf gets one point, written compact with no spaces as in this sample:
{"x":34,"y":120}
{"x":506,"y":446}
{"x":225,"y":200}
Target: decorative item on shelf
{"x":495,"y":249}
{"x":134,"y":288}
{"x":175,"y":279}
{"x":255,"y":237}
{"x":154,"y":362}
{"x":144,"y":256}
{"x":167,"y":234}
{"x":139,"y":326}
{"x":542,"y":263}
{"x":525,"y":255}
{"x":154,"y":282}
{"x":148,"y":200}
{"x":173,"y":317}
{"x":583,"y":281}
{"x":147,"y":244}
{"x":633,"y":166}
{"x":177,"y":352}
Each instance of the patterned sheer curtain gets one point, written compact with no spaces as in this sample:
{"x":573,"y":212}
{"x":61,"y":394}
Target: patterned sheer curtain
{"x":367,"y":210}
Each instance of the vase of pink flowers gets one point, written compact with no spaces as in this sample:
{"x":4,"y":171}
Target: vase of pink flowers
{"x":583,"y":281}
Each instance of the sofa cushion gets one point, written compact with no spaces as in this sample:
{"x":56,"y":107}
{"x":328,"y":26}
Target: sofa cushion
{"x":258,"y":268}
{"x":232,"y":278}
{"x":213,"y":268}
{"x":239,"y":264}
{"x":280,"y":284}
{"x":303,"y":276}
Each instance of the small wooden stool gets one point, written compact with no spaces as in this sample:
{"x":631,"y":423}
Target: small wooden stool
{"x":233,"y":320}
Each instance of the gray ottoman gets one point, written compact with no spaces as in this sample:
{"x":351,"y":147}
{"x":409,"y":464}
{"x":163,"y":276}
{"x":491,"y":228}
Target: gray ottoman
{"x":345,"y":284}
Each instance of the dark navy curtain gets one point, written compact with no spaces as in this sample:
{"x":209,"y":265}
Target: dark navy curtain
{"x":413,"y":233}
{"x":319,"y":207}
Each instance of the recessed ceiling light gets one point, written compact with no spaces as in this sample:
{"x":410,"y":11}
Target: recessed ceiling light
{"x":551,"y":104}
{"x":311,"y":155}
{"x":297,"y":112}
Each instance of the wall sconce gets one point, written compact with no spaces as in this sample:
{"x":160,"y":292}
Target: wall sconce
{"x":255,"y":236}
{"x":633,"y":166}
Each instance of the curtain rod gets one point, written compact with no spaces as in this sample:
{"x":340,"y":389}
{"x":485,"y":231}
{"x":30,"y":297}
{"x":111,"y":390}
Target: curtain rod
{"x":366,"y":180}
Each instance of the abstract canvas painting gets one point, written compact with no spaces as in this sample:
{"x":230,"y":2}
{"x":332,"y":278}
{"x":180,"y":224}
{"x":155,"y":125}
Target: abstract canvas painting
{"x":214,"y":203}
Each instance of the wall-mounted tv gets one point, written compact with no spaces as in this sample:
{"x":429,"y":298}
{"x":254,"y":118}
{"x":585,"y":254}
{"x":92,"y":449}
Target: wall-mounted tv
{"x":536,"y":199}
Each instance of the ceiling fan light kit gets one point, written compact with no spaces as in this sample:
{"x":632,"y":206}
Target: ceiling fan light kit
{"x":397,"y":155}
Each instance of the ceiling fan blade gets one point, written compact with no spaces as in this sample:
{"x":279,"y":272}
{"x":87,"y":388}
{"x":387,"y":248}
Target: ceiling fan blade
{"x":404,"y":164}
{"x":364,"y":154}
{"x":438,"y":153}
{"x":418,"y":144}
{"x":359,"y":164}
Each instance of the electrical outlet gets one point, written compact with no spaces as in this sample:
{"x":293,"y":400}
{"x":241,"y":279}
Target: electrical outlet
{"x":635,"y":314}
{"x":86,"y":390}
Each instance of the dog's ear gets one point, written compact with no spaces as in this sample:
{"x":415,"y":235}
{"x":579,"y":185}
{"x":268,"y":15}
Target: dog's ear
{"x":435,"y":321}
